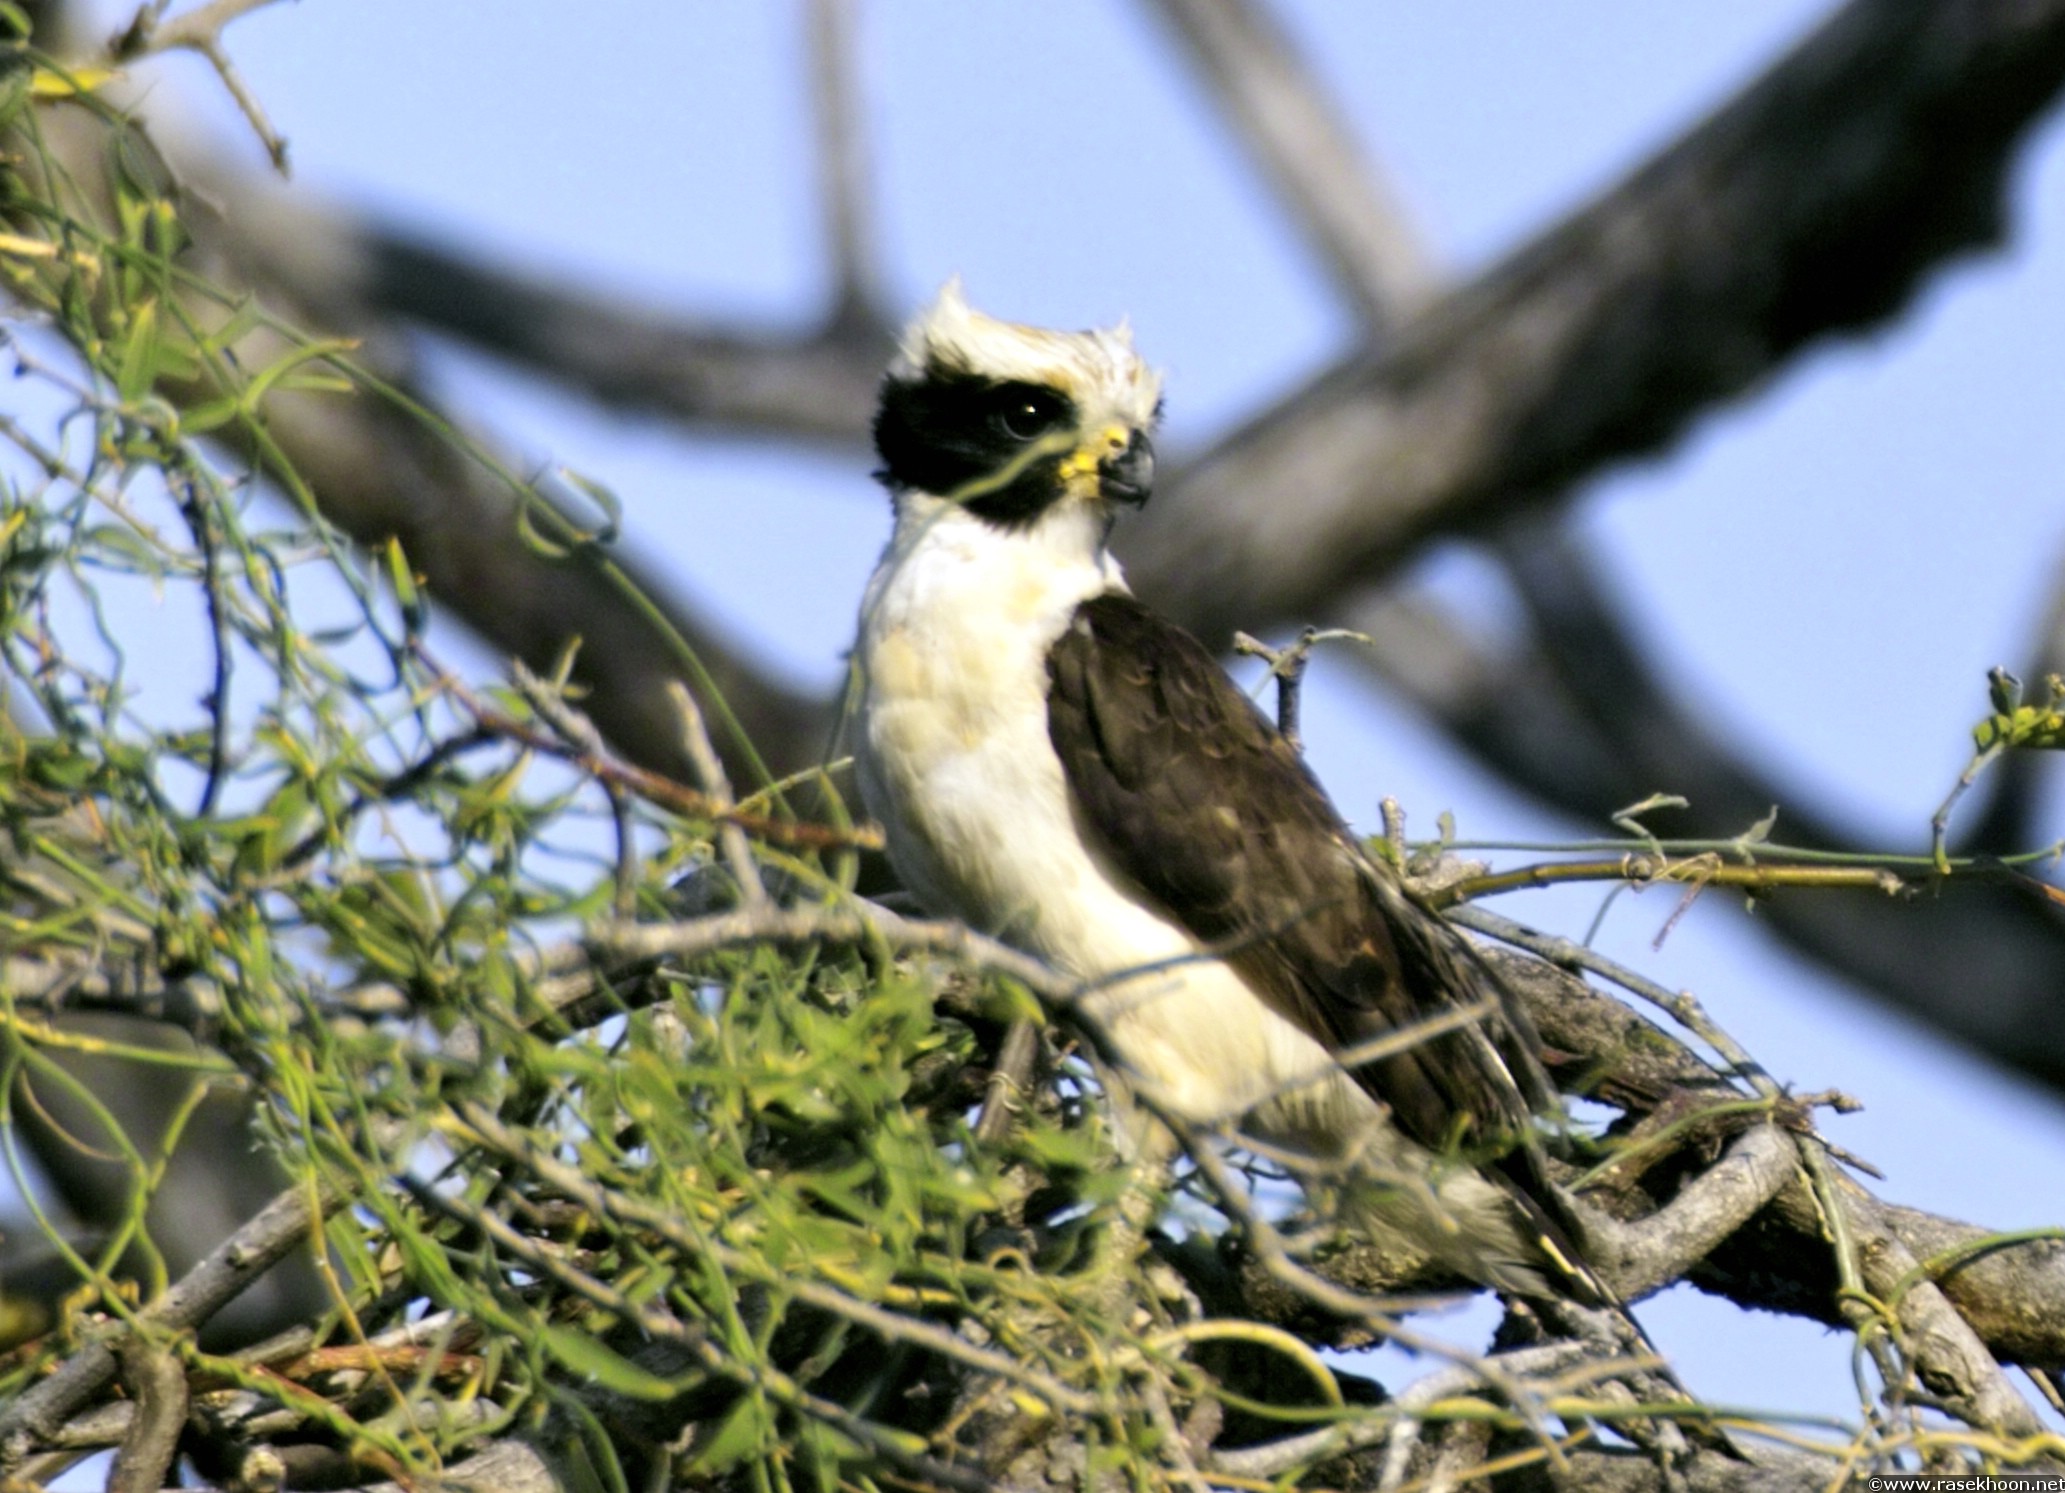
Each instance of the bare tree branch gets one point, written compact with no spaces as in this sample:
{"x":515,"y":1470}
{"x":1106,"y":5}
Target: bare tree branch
{"x":156,"y":1381}
{"x":200,"y":30}
{"x":336,"y":271}
{"x":1692,"y":1225}
{"x":2014,"y":1296}
{"x":842,"y":164}
{"x":1815,"y":202}
{"x":1626,"y":1470}
{"x":1835,"y":184}
{"x":1308,"y":154}
{"x":504,"y":1466}
{"x":2010,"y":1290}
{"x":1780,"y":1261}
{"x":814,"y":387}
{"x":1762,"y":229}
{"x":268,"y":1238}
{"x":1951,"y":1363}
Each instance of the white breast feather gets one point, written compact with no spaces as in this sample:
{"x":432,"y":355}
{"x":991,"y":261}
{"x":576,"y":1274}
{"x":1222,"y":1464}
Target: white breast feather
{"x":955,"y":760}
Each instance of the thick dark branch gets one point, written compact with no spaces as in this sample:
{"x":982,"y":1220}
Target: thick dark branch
{"x":511,"y":1466}
{"x":379,"y":472}
{"x":1816,"y":202}
{"x":332,"y":269}
{"x":817,"y":387}
{"x":1773,"y":1469}
{"x":156,"y":1381}
{"x":2013,"y":1298}
{"x":1596,"y":1045}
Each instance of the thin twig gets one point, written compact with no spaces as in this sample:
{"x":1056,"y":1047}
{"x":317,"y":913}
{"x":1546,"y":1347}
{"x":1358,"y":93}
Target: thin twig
{"x":200,"y":520}
{"x":659,"y":1323}
{"x":1939,"y":822}
{"x":1287,"y":666}
{"x":150,"y":32}
{"x":1680,"y":1005}
{"x":847,"y":923}
{"x":709,"y":771}
{"x":200,"y":30}
{"x":1351,"y":1306}
{"x":664,"y":791}
{"x":1455,"y":1381}
{"x":1640,"y":868}
{"x":1270,"y":1459}
{"x":484,"y":1128}
{"x":1986,"y":1397}
{"x":1008,"y":1081}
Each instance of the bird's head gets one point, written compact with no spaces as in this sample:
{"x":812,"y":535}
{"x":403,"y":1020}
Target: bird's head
{"x":1013,"y":423}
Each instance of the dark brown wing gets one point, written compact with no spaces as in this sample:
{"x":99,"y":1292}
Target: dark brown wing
{"x":1196,"y":797}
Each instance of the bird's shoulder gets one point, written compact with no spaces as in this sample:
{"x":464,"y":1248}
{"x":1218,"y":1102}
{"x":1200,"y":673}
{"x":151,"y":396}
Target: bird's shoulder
{"x":1204,"y":801}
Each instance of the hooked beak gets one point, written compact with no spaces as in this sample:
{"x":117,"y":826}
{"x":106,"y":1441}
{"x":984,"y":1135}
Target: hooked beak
{"x":1128,"y":476}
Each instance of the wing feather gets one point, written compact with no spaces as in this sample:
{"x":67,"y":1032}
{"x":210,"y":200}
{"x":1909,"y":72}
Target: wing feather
{"x":1192,"y":792}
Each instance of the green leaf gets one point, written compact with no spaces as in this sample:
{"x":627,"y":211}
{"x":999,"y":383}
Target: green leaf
{"x":1062,"y":1150}
{"x":406,"y":591}
{"x":139,"y":368}
{"x":744,"y":1432}
{"x":278,"y":373}
{"x":2029,"y":727}
{"x":603,"y":1366}
{"x":14,"y":91}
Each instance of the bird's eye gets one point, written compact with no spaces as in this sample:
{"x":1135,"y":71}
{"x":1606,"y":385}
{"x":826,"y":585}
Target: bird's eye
{"x":1029,"y":414}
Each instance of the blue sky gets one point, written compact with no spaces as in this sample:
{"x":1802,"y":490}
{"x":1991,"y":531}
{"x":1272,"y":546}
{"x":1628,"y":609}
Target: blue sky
{"x":1827,"y":566}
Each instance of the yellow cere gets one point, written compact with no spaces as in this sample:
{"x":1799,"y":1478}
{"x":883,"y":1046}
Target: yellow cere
{"x":1085,"y":459}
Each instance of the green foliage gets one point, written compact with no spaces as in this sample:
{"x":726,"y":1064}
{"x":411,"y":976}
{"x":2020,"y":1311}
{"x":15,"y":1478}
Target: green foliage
{"x":706,"y":1187}
{"x":2015,"y":723}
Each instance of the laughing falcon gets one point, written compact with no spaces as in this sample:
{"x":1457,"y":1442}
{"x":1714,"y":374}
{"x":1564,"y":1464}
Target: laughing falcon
{"x":1057,"y":765}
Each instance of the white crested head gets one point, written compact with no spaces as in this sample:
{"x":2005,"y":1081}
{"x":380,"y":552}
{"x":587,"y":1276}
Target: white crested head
{"x":1098,"y":368}
{"x":1014,"y":423}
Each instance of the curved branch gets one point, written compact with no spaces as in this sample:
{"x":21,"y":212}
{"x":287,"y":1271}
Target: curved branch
{"x":2013,"y":1298}
{"x":1815,"y":202}
{"x":1308,"y":154}
{"x":1578,"y":719}
{"x":327,"y":266}
{"x":814,"y":387}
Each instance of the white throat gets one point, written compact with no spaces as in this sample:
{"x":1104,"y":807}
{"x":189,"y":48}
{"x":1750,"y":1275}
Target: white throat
{"x":1070,"y":537}
{"x":952,"y":653}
